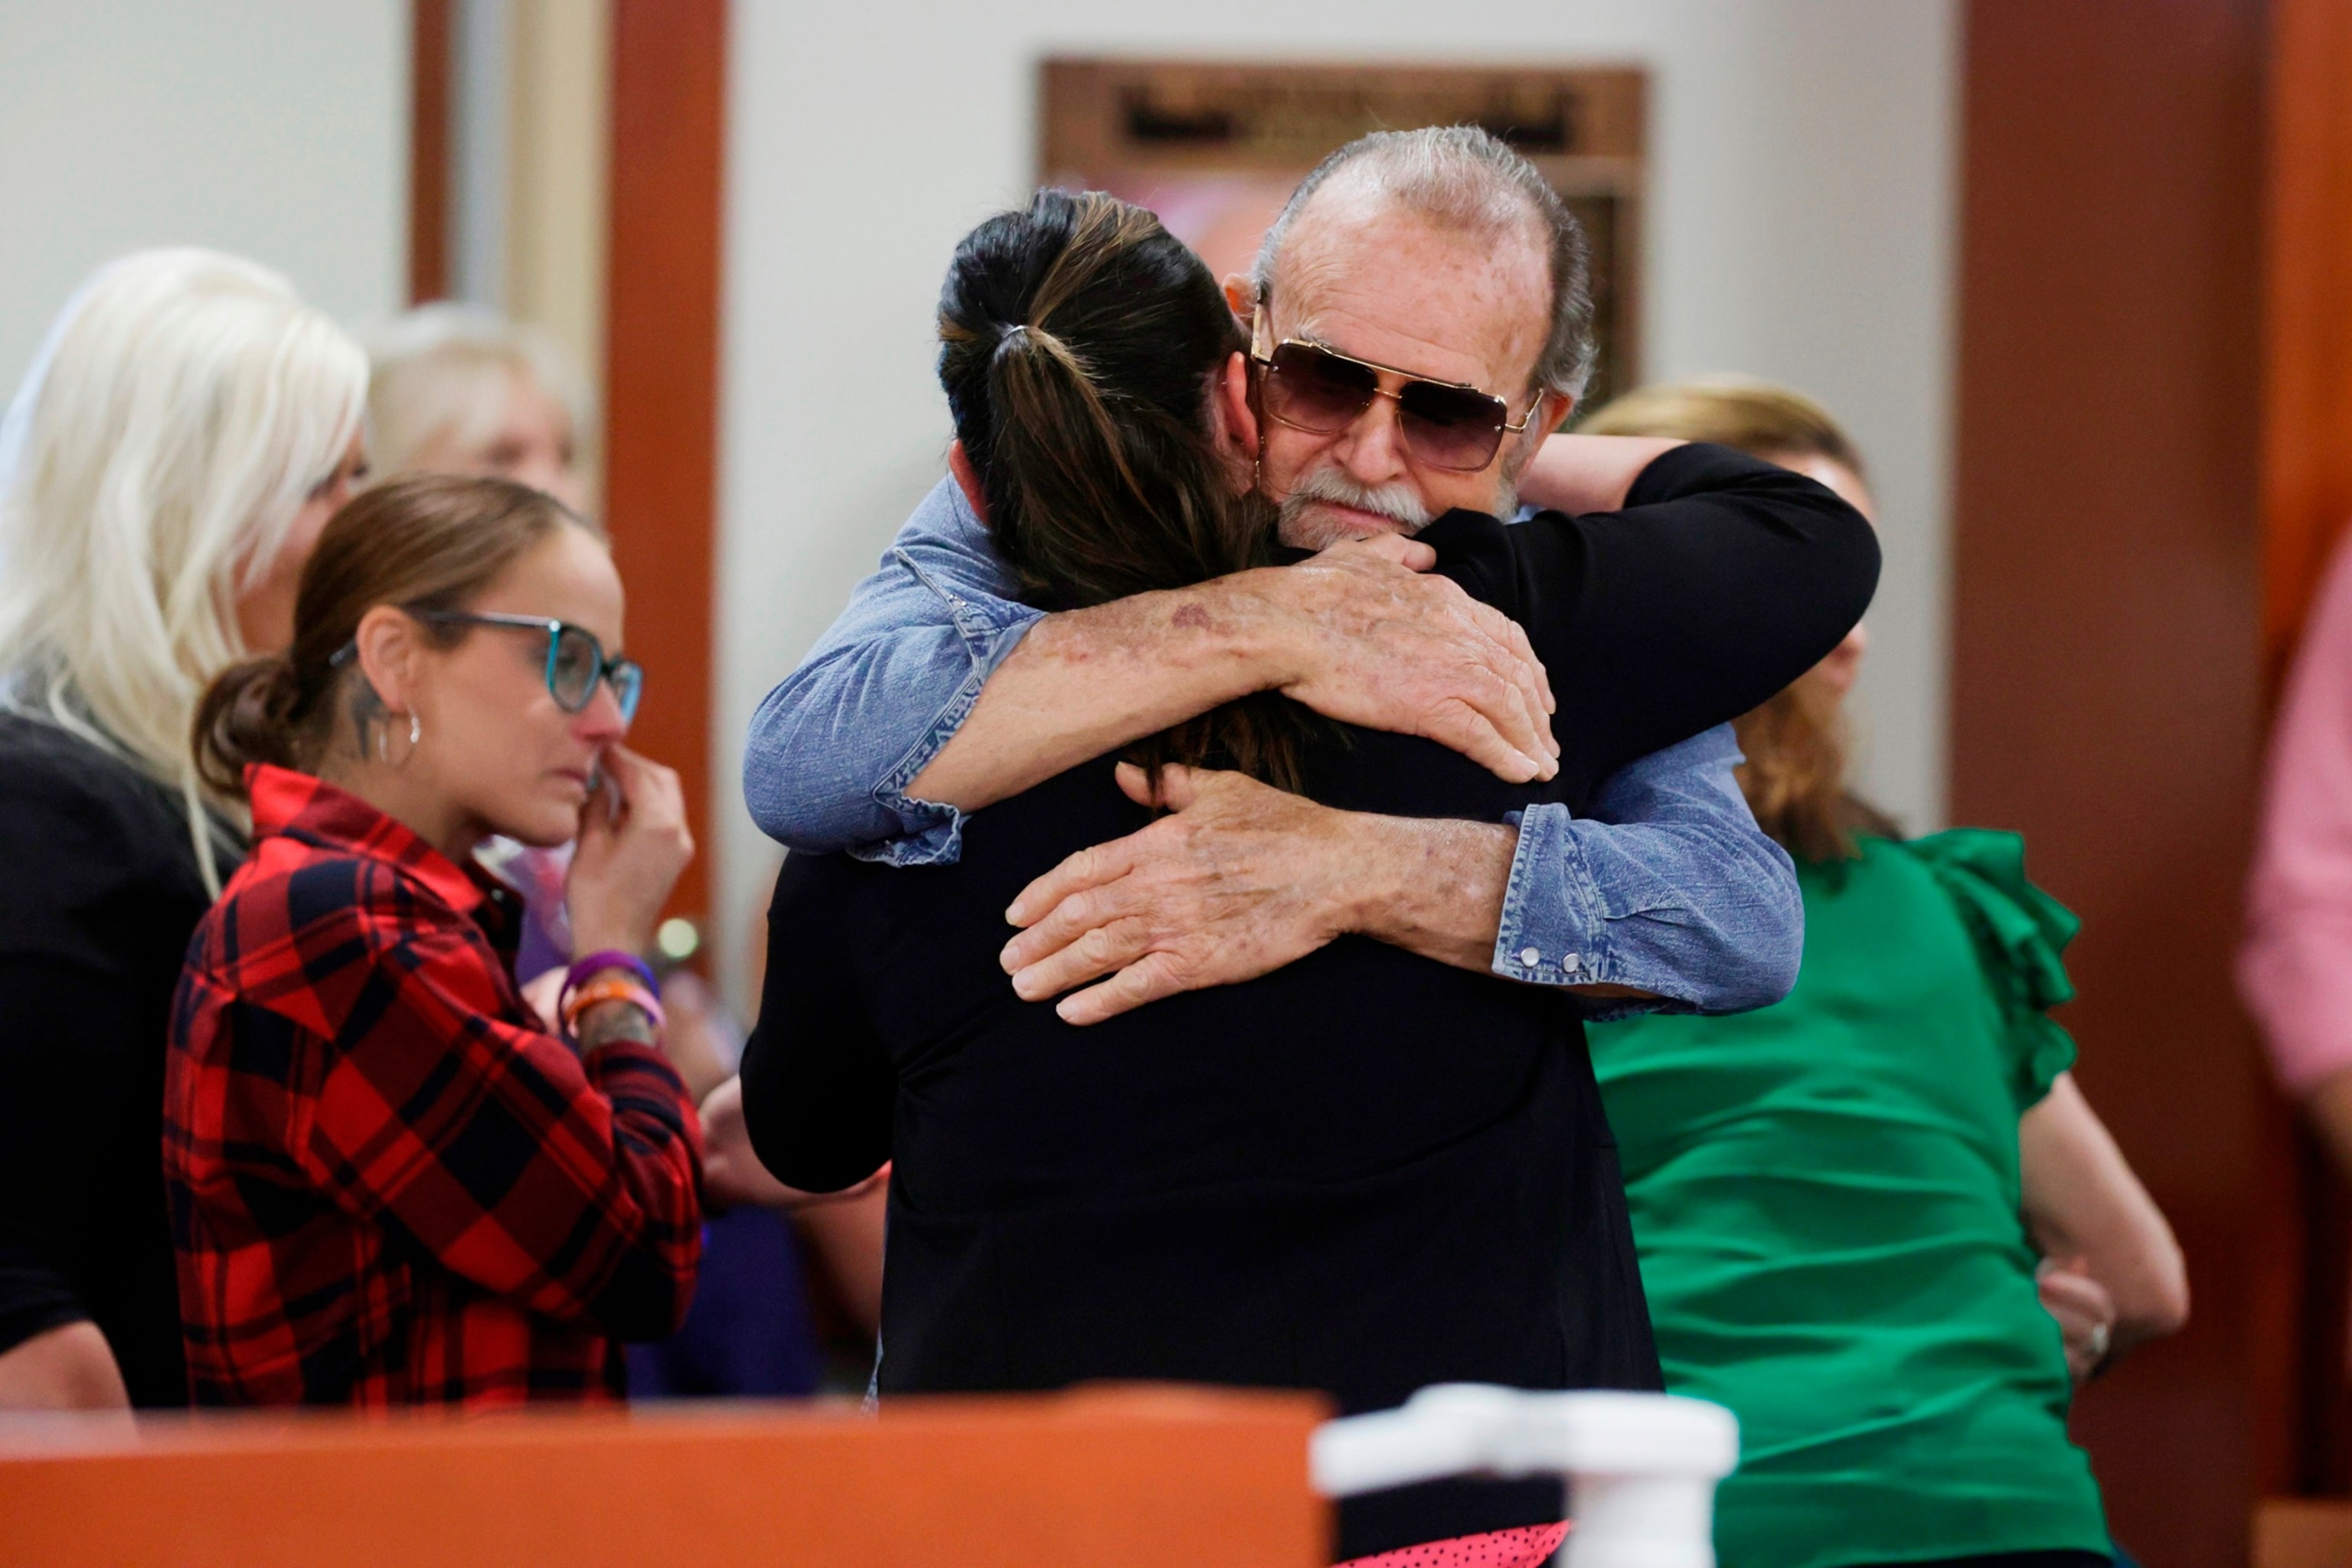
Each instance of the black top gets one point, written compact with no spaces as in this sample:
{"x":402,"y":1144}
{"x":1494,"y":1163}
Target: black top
{"x":100,"y":897}
{"x":1365,"y":1173}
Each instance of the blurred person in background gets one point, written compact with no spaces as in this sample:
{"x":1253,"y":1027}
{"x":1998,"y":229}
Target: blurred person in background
{"x":2295,"y":968}
{"x":1877,"y":1219}
{"x":186,"y":432}
{"x":391,"y":1183}
{"x":461,"y":389}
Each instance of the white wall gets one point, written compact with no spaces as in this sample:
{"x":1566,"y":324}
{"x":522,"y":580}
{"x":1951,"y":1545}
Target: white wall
{"x":1800,"y":227}
{"x":276,"y":129}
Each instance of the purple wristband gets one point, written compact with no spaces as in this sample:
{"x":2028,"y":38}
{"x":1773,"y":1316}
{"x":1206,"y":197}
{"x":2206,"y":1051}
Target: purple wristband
{"x":597,"y":962}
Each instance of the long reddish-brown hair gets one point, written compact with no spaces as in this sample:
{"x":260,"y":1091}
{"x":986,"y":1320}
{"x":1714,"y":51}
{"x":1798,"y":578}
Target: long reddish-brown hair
{"x":1799,"y":744}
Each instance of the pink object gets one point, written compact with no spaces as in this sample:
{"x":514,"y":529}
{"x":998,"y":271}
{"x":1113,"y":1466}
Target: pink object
{"x":1531,"y":1547}
{"x":2295,"y":968}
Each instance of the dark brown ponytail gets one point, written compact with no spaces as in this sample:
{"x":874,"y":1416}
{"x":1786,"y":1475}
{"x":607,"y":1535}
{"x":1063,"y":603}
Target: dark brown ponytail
{"x":1079,"y":343}
{"x":248,"y":714}
{"x":428,"y":543}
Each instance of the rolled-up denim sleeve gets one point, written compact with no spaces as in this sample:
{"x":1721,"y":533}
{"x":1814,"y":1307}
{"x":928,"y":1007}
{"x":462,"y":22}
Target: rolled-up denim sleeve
{"x":833,"y":748}
{"x":1669,"y":887}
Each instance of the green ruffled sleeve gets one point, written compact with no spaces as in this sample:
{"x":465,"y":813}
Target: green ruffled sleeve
{"x":2019,"y":931}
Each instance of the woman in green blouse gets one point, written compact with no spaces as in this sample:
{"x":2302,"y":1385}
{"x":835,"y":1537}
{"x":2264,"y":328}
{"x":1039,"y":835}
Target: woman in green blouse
{"x":1877,"y":1220}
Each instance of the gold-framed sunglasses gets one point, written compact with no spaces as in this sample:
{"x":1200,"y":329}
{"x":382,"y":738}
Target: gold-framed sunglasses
{"x":1446,"y":424}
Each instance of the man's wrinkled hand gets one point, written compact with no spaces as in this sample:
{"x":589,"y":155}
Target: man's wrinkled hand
{"x":1389,"y":646}
{"x":1239,"y":879}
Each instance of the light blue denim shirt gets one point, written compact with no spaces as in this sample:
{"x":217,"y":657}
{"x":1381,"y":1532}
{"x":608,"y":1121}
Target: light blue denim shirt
{"x":1669,"y":887}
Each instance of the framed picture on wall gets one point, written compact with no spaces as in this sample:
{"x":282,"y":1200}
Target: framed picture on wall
{"x":1215,"y":150}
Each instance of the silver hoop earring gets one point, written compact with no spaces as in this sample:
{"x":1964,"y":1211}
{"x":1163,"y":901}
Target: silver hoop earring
{"x":383,"y":742}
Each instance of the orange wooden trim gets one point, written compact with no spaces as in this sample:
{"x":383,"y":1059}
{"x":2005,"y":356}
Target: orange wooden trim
{"x":661,"y":375}
{"x":2300,"y":1532}
{"x":2105,"y":634}
{"x":2307,"y":454}
{"x":1141,"y":1478}
{"x":429,"y":150}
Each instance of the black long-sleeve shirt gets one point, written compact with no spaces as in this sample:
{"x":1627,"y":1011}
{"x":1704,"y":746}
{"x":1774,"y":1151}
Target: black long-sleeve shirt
{"x":99,"y":895}
{"x":1365,"y":1173}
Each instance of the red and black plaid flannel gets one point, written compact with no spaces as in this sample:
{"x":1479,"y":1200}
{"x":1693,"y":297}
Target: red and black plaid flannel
{"x":389,"y":1184}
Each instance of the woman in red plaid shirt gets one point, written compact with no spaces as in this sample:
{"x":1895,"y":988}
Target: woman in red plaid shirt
{"x":390,"y":1182}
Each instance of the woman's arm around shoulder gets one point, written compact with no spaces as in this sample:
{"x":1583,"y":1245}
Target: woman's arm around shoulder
{"x":1719,"y":580}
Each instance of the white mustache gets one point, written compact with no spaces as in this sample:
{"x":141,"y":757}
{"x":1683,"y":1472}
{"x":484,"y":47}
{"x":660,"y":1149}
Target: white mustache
{"x":1400,"y":502}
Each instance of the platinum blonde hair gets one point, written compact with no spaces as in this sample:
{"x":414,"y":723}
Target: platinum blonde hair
{"x":442,"y":373}
{"x":185,"y":406}
{"x":1466,"y":179}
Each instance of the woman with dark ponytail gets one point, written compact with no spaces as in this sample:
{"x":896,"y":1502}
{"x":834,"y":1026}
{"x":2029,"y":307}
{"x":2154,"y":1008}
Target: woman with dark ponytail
{"x":1114,"y":471}
{"x":1373,"y":1168}
{"x":390,"y":1182}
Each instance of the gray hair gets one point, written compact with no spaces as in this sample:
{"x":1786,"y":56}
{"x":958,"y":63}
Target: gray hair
{"x":1465,"y":177}
{"x":440,"y":372}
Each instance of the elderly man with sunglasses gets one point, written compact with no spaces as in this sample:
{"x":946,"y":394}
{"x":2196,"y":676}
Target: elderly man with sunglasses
{"x":1399,"y":376}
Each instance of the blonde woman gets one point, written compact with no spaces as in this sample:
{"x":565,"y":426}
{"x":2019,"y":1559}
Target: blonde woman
{"x":165,"y":470}
{"x":1876,"y":1219}
{"x":458,"y":389}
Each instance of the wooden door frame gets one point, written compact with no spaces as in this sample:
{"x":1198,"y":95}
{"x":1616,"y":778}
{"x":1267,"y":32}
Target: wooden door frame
{"x":2106,"y":682}
{"x":660,"y":380}
{"x":429,"y":23}
{"x":2307,"y":311}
